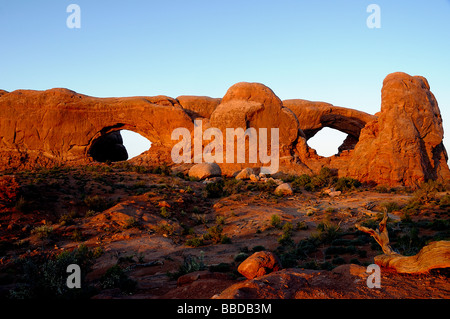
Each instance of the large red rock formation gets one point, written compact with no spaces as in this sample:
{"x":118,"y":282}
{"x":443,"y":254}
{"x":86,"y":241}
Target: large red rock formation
{"x":59,"y":126}
{"x":404,"y":145}
{"x":255,"y":105}
{"x":400,"y":145}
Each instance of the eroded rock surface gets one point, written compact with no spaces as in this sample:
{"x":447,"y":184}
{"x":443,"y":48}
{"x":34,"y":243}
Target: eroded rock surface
{"x":400,"y":145}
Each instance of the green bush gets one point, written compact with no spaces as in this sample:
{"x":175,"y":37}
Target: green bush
{"x":115,"y":277}
{"x":190,"y":264}
{"x":275,"y":221}
{"x":286,"y":236}
{"x":98,"y":203}
{"x":327,"y":232}
{"x":301,"y":181}
{"x":215,"y":190}
{"x":45,"y":276}
{"x":165,"y":213}
{"x":346,"y":184}
{"x":390,"y":206}
{"x":195,"y":242}
{"x":214,"y":234}
{"x":130,"y":223}
{"x":42,"y":231}
{"x":233,"y":186}
{"x":67,"y":219}
{"x":240,"y":257}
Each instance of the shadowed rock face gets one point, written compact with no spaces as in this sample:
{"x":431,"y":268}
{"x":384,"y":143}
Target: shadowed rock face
{"x":109,"y":148}
{"x":400,"y":145}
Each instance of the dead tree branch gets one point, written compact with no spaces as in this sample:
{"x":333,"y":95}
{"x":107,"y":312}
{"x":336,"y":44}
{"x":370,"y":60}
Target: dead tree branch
{"x":434,"y":255}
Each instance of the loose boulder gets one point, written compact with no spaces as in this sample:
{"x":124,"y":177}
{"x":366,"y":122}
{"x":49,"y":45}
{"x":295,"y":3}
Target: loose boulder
{"x":245,"y":173}
{"x":259,"y":264}
{"x":284,"y":190}
{"x":205,"y":170}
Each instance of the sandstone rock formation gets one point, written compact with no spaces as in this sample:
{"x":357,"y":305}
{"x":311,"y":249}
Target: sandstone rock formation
{"x":400,"y":145}
{"x":282,"y":284}
{"x":313,"y":116}
{"x":59,"y":126}
{"x":255,"y":105}
{"x":404,"y":145}
{"x":198,"y":106}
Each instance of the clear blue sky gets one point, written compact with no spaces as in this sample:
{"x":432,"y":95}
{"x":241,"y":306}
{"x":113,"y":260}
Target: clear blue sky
{"x":317,"y":50}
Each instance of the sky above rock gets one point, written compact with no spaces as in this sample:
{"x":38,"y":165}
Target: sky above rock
{"x":315,"y":50}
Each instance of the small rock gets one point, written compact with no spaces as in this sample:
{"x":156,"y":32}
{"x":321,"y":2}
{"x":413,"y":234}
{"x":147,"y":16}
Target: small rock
{"x":284,"y":190}
{"x":245,"y":173}
{"x":164,"y":204}
{"x":254,"y":178}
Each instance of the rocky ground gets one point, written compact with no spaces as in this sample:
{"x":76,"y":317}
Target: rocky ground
{"x":147,"y":233}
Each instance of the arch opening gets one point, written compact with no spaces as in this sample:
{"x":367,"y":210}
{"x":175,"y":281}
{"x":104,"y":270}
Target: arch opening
{"x":135,"y":143}
{"x":118,"y":146}
{"x":328,"y":142}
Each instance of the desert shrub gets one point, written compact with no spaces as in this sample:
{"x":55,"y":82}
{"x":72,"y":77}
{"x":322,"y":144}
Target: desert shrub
{"x":165,"y":229}
{"x":163,"y":170}
{"x":67,"y":219}
{"x":165,"y":213}
{"x":426,"y":192}
{"x":214,"y":190}
{"x":301,"y":226}
{"x":275,"y":221}
{"x":45,"y":276}
{"x":42,"y":231}
{"x":346,"y":184}
{"x":240,"y":257}
{"x":98,"y":203}
{"x":301,"y":181}
{"x":214,"y":234}
{"x":190,"y":264}
{"x":195,"y":242}
{"x":233,"y":186}
{"x":130,"y":223}
{"x":77,"y":235}
{"x":9,"y":190}
{"x":268,"y":186}
{"x":258,"y":248}
{"x":327,"y":232}
{"x":22,"y":205}
{"x":306,"y":247}
{"x":409,"y":243}
{"x":286,"y":236}
{"x":390,"y":206}
{"x":115,"y":277}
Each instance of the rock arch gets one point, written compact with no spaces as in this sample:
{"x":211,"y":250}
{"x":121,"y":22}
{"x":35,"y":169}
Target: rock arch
{"x":59,"y":126}
{"x":401,"y":145}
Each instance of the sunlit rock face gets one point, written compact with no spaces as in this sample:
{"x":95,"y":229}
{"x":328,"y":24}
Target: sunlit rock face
{"x":400,"y":145}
